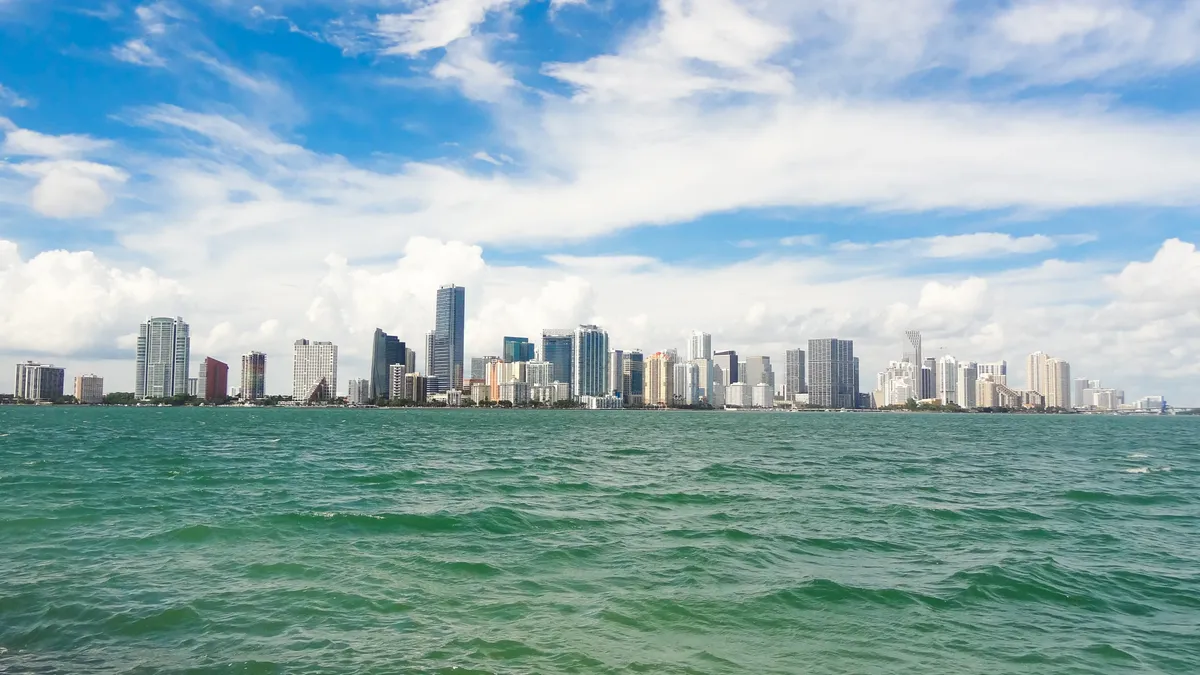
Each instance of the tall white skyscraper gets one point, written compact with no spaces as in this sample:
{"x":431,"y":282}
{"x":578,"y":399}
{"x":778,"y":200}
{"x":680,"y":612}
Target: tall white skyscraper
{"x":832,"y":382}
{"x":1058,"y":384}
{"x":616,"y":371}
{"x":1035,"y":370}
{"x":314,"y":371}
{"x":699,"y":346}
{"x":912,"y":354}
{"x":947,"y":380}
{"x":163,"y":358}
{"x":968,"y":380}
{"x":589,"y":362}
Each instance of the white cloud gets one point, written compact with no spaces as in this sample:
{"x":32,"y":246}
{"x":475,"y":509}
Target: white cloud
{"x":25,"y":142}
{"x":63,"y":302}
{"x":467,"y":64}
{"x":72,"y":189}
{"x":434,"y":24}
{"x":137,"y":52}
{"x":975,"y":245}
{"x":10,"y":97}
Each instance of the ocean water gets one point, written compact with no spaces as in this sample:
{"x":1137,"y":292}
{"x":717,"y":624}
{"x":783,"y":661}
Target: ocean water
{"x":443,"y":541}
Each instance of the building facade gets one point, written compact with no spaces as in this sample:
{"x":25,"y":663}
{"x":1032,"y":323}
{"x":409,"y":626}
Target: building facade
{"x":39,"y":382}
{"x":479,"y":366}
{"x":616,"y":373}
{"x":727,"y":362}
{"x":396,"y":374}
{"x":515,"y":392}
{"x":1035,"y":372}
{"x":416,"y":388}
{"x":1058,"y":383}
{"x":314,"y":371}
{"x":446,"y":370}
{"x":660,"y":380}
{"x":558,"y":349}
{"x":966,"y":388}
{"x":517,"y":349}
{"x":89,"y":389}
{"x":163,"y":358}
{"x":757,"y":370}
{"x":699,"y":346}
{"x":761,"y":396}
{"x":796,"y":381}
{"x":386,"y":351}
{"x":912,"y":353}
{"x":213,"y":383}
{"x":254,"y":376}
{"x":589,"y":375}
{"x":358,"y":392}
{"x":831,"y":378}
{"x":539,"y":372}
{"x":633,"y":380}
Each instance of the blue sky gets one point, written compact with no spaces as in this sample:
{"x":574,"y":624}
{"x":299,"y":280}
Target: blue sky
{"x":1007,"y":176}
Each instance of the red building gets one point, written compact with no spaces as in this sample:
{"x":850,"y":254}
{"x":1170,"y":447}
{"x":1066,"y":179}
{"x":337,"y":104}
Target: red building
{"x":214,"y":381}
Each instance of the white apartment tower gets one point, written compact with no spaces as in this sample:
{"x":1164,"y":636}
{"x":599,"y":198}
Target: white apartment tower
{"x":314,"y":371}
{"x":1058,"y":384}
{"x":699,"y":346}
{"x":1035,"y":369}
{"x":163,"y":358}
{"x":589,"y":361}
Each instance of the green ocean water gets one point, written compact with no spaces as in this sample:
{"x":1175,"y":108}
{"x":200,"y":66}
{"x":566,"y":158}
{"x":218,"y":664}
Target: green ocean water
{"x":443,"y":541}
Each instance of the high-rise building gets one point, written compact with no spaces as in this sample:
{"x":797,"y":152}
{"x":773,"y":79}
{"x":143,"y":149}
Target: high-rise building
{"x":947,"y":380}
{"x":1058,"y":383}
{"x":1079,"y":396}
{"x":396,"y":375}
{"x":479,"y":366}
{"x":589,"y":372}
{"x":996,"y":368}
{"x":254,"y":376}
{"x":359,"y":392}
{"x":633,"y":368}
{"x":967,"y":386}
{"x":739,"y":395}
{"x":1035,"y":372}
{"x":416,"y":388}
{"x":558,"y":348}
{"x":855,"y":386}
{"x":163,"y":358}
{"x":728,"y":363}
{"x":795,"y":382}
{"x":660,"y":380}
{"x":616,"y":373}
{"x":706,"y":373}
{"x":758,"y":371}
{"x":89,"y":389}
{"x":430,"y":341}
{"x":517,"y":349}
{"x":912,"y":354}
{"x":386,"y":351}
{"x":314,"y":371}
{"x":193,"y":387}
{"x":39,"y":382}
{"x":539,"y":372}
{"x":831,"y":373}
{"x":410,"y":360}
{"x":761,"y":396}
{"x":213,"y":383}
{"x":686,"y":380}
{"x":699,"y":346}
{"x":447,"y":361}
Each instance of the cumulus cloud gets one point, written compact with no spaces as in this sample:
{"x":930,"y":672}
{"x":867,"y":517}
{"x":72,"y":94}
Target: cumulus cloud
{"x":71,"y":188}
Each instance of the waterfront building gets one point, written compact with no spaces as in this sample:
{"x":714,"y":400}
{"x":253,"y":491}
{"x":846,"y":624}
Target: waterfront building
{"x":589,"y":375}
{"x":89,"y":389}
{"x":616,"y":372}
{"x":1058,"y":383}
{"x":717,"y":397}
{"x":831,"y":379}
{"x":515,"y":392}
{"x":966,"y":387}
{"x":430,"y":341}
{"x":762,"y":396}
{"x":608,"y":402}
{"x":912,"y":353}
{"x":738,"y":395}
{"x":39,"y":382}
{"x":416,"y":387}
{"x":193,"y":387}
{"x":254,"y":376}
{"x":687,"y":383}
{"x":660,"y":380}
{"x":539,"y":372}
{"x":947,"y":380}
{"x":386,"y":351}
{"x":999,"y":369}
{"x":410,"y":360}
{"x":727,"y":361}
{"x":898,"y":383}
{"x":314,"y":371}
{"x":517,"y":349}
{"x":396,"y":375}
{"x":454,"y":398}
{"x":479,"y":366}
{"x":213,"y":383}
{"x":481,"y":392}
{"x":795,"y":382}
{"x":163,"y":358}
{"x":446,"y":370}
{"x":358,"y":392}
{"x":633,"y":380}
{"x":1035,"y":372}
{"x":558,"y":349}
{"x":699,"y":346}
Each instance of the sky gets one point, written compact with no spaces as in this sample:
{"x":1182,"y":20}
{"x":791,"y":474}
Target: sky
{"x":1006,"y":176}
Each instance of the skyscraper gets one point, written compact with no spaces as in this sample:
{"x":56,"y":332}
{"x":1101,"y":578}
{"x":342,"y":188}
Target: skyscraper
{"x":947,"y":380}
{"x":558,"y":348}
{"x":358,"y":392}
{"x":912,"y":354}
{"x":796,"y":382}
{"x":89,"y":389}
{"x":213,"y":385}
{"x":660,"y":380}
{"x":479,"y":366}
{"x":616,"y":373}
{"x":728,"y":363}
{"x":1058,"y":383}
{"x":634,"y":380}
{"x":396,"y":375}
{"x":1035,"y":372}
{"x":968,"y":380}
{"x":448,"y":339}
{"x":699,"y":346}
{"x":831,"y":373}
{"x":39,"y":382}
{"x":589,"y":372}
{"x":758,"y":370}
{"x":314,"y":371}
{"x":163,"y":358}
{"x":517,"y":349}
{"x":254,"y":376}
{"x":386,"y":351}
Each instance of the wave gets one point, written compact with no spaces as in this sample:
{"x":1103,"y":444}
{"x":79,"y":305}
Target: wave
{"x":818,"y":592}
{"x":1100,"y":496}
{"x":493,"y":520}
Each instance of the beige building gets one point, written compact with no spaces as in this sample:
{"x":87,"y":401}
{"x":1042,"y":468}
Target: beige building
{"x":1058,"y":384}
{"x":660,"y":380}
{"x":89,"y":389}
